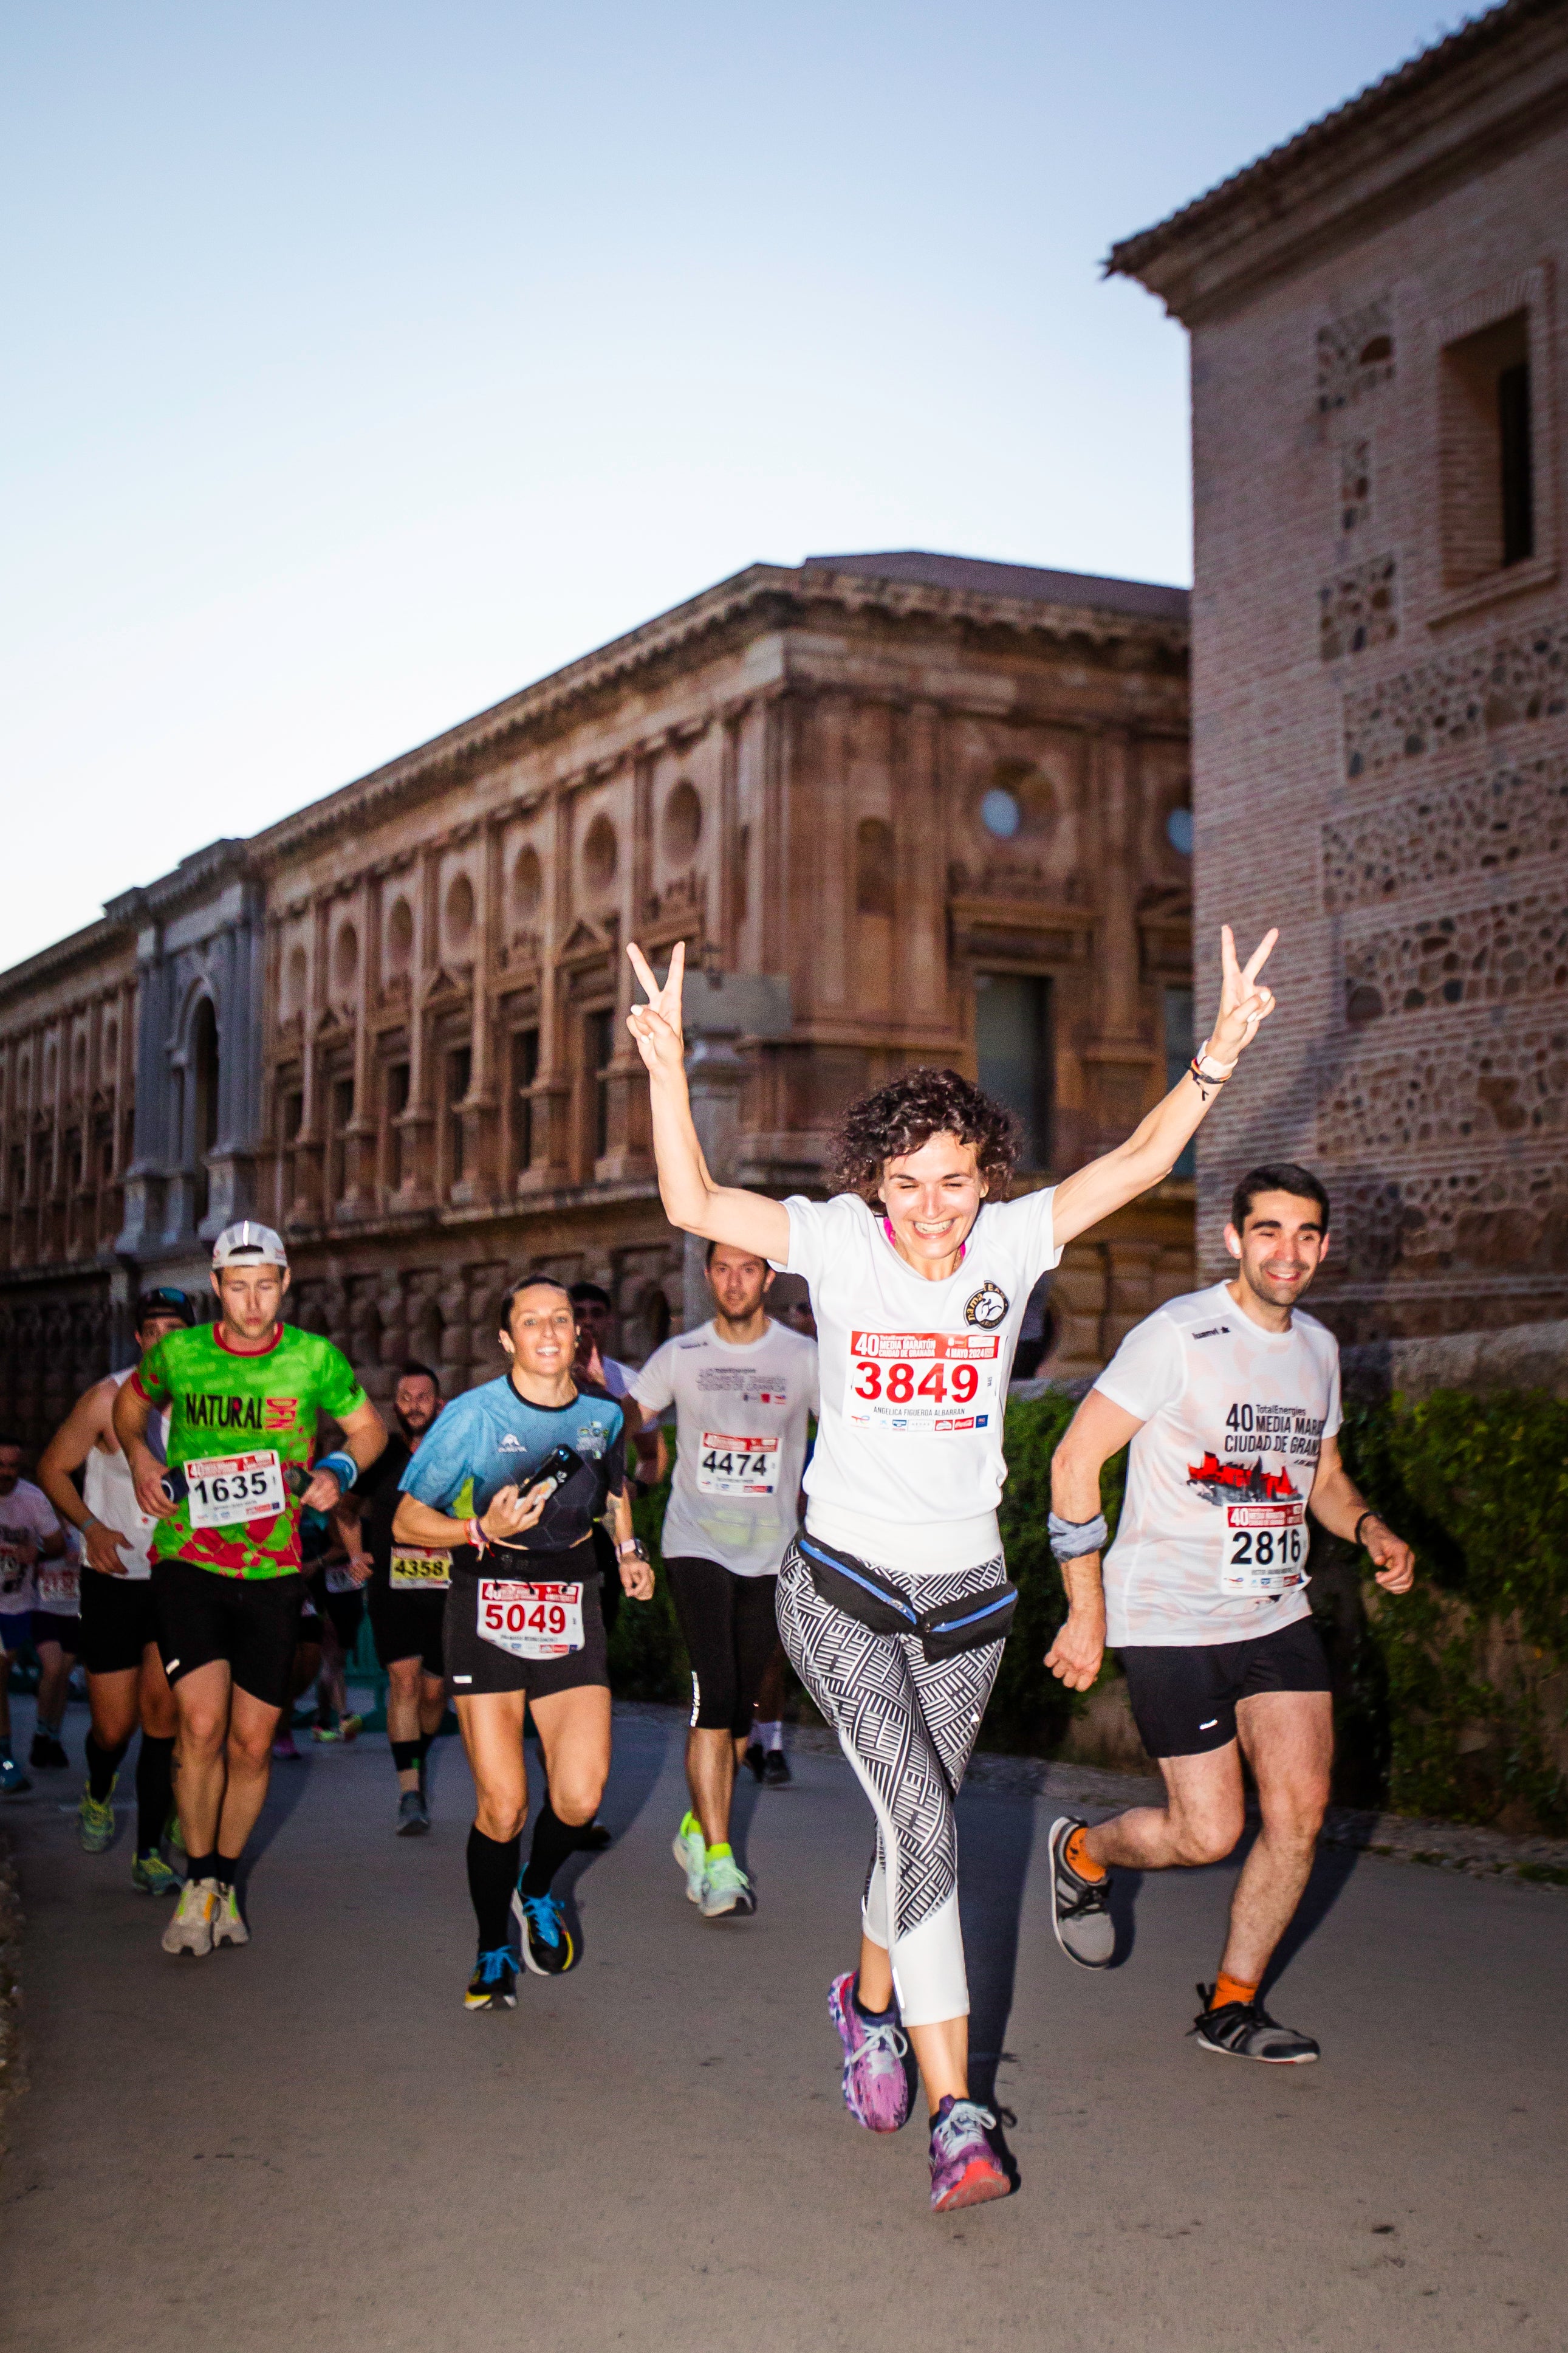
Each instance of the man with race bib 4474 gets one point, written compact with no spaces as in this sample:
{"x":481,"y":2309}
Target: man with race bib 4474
{"x":1229,"y":1399}
{"x":744,"y":1389}
{"x":893,"y":1602}
{"x":244,"y":1395}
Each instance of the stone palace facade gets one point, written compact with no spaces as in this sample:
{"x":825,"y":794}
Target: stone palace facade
{"x":1380,"y":671}
{"x":899,"y":807}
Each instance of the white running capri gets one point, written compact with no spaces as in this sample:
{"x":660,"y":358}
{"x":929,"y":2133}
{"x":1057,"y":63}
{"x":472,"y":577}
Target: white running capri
{"x":907,"y":1729}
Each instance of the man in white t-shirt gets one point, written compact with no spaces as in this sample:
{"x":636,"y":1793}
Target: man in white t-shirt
{"x":29,"y":1534}
{"x":742,"y":1388}
{"x":1230,"y":1399}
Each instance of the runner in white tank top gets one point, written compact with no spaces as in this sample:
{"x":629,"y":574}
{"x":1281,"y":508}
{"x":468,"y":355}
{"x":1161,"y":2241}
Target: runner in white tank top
{"x":125,"y":1681}
{"x":1229,"y":1400}
{"x":919,"y":1269}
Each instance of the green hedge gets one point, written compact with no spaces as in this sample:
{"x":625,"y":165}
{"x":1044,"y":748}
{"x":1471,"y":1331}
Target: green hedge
{"x":1480,"y":1487}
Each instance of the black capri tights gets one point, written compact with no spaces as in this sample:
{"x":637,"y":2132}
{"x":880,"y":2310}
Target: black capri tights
{"x":730,"y":1630}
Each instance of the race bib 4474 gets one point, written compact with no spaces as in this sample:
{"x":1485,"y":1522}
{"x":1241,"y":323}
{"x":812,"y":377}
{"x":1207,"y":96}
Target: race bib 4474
{"x":935,"y":1383}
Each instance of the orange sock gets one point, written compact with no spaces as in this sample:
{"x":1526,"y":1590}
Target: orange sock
{"x":1077,"y":1857}
{"x":1231,"y":1989}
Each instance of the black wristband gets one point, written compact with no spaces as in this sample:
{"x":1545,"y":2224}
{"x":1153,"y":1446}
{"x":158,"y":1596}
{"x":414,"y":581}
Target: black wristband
{"x":1361,"y":1524}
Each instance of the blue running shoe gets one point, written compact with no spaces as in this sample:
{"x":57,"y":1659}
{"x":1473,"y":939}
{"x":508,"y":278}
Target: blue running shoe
{"x":547,"y":1947}
{"x":493,"y":1983}
{"x":13,"y":1780}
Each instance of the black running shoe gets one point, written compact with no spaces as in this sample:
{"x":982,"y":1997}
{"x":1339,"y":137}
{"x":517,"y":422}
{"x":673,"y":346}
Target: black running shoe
{"x":776,"y":1774}
{"x":594,"y":1838}
{"x":1244,"y":2030}
{"x":547,"y":1947}
{"x":1080,"y":1908}
{"x":47,"y":1754}
{"x":493,"y":1985}
{"x":756,"y":1758}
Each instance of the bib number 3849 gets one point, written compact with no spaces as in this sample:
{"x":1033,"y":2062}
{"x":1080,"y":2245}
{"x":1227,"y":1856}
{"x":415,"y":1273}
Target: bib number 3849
{"x":1265,"y":1548}
{"x":531,"y":1621}
{"x":932,"y":1383}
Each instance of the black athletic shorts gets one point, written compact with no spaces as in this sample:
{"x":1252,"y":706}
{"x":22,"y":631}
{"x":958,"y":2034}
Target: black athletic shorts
{"x":730,"y":1627}
{"x":118,"y":1621}
{"x":477,"y":1666}
{"x":406,"y":1625}
{"x":1183,"y":1695}
{"x":49,"y":1626}
{"x":253,"y":1623}
{"x":345,"y":1610}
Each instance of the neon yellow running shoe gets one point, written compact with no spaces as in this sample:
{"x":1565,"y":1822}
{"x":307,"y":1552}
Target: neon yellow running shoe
{"x":95,"y":1819}
{"x":174,"y":1836}
{"x":690,"y":1849}
{"x":153,"y":1876}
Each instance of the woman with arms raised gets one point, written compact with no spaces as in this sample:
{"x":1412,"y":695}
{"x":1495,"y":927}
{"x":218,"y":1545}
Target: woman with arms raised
{"x":893,"y":1603}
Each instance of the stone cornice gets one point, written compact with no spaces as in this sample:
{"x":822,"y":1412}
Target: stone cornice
{"x":765,"y":597}
{"x":91,"y":945}
{"x":1485,"y":89}
{"x":196,"y":877}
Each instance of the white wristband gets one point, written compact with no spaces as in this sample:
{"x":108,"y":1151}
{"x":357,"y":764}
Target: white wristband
{"x":1211,"y":1067}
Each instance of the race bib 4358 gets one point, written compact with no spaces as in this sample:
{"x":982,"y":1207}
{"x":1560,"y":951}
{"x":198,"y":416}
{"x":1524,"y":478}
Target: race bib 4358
{"x":935,"y":1383}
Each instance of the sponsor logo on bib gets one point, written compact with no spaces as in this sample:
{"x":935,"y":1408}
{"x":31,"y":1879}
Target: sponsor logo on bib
{"x":988,"y":1307}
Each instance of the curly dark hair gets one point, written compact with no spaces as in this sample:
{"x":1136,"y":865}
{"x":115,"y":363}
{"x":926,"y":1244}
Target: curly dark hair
{"x":907,"y":1113}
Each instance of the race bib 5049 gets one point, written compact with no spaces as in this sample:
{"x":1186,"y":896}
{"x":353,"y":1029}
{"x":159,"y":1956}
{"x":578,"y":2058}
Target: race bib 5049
{"x":933,"y":1383}
{"x":531,"y":1621}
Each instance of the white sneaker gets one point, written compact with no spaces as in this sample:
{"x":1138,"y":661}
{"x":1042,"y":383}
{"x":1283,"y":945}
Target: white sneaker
{"x":191,"y":1929}
{"x":690,"y":1849}
{"x":725,"y":1888}
{"x":228,"y":1925}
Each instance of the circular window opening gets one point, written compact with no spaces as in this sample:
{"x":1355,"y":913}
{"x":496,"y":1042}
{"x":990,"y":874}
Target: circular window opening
{"x":400,"y":935}
{"x":345,"y":957}
{"x":1178,"y":831}
{"x":459,"y":912}
{"x":1000,"y":813}
{"x":600,"y":854}
{"x":682,"y":820}
{"x":527,"y":884}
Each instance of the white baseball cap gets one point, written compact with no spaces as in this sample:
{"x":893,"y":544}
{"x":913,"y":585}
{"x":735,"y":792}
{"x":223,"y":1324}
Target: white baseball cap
{"x":249,"y":1245}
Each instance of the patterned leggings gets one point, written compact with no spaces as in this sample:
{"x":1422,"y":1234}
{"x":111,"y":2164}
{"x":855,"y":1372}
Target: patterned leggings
{"x":908,"y":1729}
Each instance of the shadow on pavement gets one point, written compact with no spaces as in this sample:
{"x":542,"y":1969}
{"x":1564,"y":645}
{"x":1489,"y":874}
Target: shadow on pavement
{"x":1330,"y":1875}
{"x":995,"y":1837}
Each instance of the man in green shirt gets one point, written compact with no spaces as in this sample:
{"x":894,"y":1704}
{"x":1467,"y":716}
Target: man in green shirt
{"x":244,"y":1395}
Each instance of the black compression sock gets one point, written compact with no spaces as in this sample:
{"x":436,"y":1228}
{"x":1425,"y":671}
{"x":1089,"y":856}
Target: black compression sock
{"x":492,"y":1876}
{"x":226,"y":1869}
{"x":553,"y":1841}
{"x":199,"y":1867}
{"x":405,"y":1755}
{"x":424,"y":1756}
{"x":102,"y":1764}
{"x":154,"y":1792}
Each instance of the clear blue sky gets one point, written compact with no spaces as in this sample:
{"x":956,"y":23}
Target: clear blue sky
{"x":363,"y":362}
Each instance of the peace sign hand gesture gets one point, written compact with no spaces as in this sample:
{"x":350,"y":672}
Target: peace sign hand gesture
{"x":1243,"y":1004}
{"x":655,"y":1025}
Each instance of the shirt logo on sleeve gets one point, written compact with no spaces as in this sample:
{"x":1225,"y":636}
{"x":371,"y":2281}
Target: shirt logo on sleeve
{"x":987,"y":1307}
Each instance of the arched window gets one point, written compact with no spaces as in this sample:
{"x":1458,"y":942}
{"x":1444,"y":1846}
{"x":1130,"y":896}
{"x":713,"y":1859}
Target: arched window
{"x":204,"y":1086}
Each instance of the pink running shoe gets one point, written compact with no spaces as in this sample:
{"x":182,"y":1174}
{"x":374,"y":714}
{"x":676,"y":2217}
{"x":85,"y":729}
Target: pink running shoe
{"x":965,"y":2169}
{"x":283,"y":1746}
{"x":879,"y":2070}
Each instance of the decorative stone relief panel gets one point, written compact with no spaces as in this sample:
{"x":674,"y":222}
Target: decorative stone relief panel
{"x":1471,"y":827}
{"x":1356,"y":484}
{"x":1451,"y":1090}
{"x":1356,"y":609}
{"x":1456,"y":698}
{"x":1518,"y":949}
{"x":1355,"y":354}
{"x":1493,"y":1221}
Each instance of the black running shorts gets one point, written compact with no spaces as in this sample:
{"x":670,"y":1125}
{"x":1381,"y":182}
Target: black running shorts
{"x":253,"y":1623}
{"x":345,"y":1610}
{"x":477,"y":1667}
{"x":49,"y":1626}
{"x":408,"y":1626}
{"x":730,"y":1627}
{"x":118,"y":1621}
{"x":1184,"y":1695}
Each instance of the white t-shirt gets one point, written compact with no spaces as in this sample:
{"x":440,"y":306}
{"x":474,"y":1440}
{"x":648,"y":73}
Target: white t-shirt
{"x":741,"y":1416}
{"x":908,"y":1470}
{"x":109,"y":1491}
{"x":1212,"y":1544}
{"x":26,"y":1512}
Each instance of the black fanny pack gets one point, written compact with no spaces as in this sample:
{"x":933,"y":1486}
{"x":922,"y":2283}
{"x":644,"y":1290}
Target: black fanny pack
{"x":873,"y":1601}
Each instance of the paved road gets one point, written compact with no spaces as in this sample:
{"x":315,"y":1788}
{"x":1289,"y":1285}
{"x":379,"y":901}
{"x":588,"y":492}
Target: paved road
{"x":311,"y":2139}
